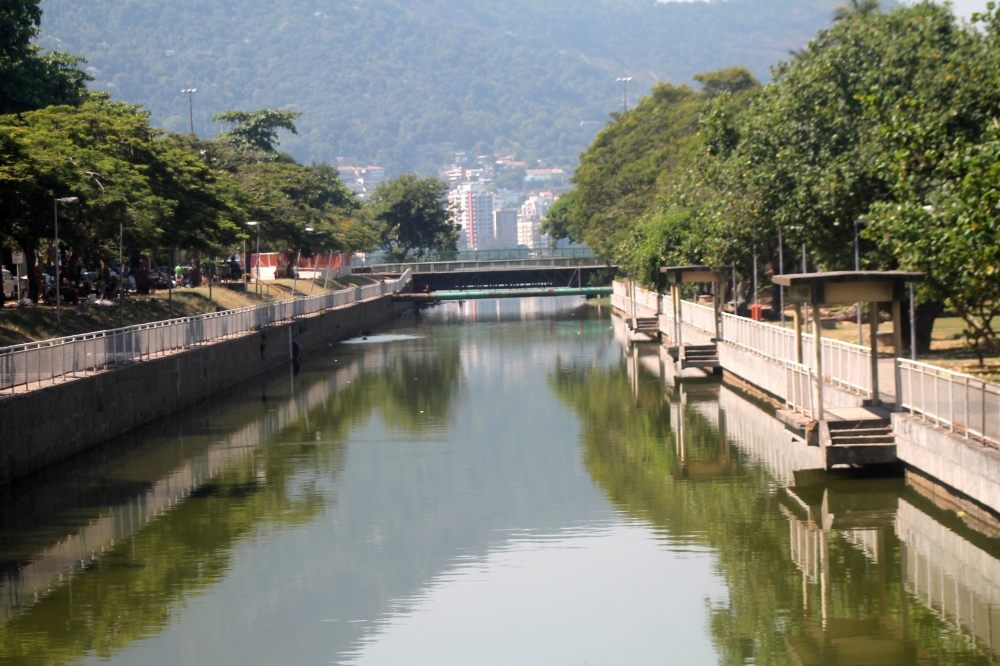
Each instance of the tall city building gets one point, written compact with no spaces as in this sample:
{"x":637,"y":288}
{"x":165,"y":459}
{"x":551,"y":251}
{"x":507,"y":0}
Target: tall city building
{"x":505,"y":227}
{"x":472,"y":211}
{"x":529,"y":221}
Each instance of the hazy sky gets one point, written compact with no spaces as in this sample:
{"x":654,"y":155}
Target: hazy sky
{"x":964,"y":8}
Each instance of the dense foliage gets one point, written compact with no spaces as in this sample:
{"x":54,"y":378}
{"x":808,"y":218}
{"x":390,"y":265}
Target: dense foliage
{"x":410,"y":215}
{"x":175,"y":191}
{"x":376,"y":80}
{"x":890,"y":118}
{"x":29,"y":78}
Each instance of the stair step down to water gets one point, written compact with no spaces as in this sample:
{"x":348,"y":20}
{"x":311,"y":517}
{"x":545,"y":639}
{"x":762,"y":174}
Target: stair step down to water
{"x":866,"y":424}
{"x":885,"y":438}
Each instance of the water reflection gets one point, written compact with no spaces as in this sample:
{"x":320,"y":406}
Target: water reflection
{"x":498,"y":482}
{"x":820,"y":570}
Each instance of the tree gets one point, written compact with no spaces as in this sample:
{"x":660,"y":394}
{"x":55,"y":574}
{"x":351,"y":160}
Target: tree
{"x":256,"y":130}
{"x":410,"y":215}
{"x":630,"y":166}
{"x":856,"y":8}
{"x":30,"y":79}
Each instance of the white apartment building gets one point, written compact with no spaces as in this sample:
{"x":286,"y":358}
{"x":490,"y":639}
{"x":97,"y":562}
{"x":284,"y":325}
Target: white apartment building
{"x":361,"y":180}
{"x":505,"y":227}
{"x":529,"y":221}
{"x":472,"y":211}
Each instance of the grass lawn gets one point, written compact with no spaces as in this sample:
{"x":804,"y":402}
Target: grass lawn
{"x":26,"y":324}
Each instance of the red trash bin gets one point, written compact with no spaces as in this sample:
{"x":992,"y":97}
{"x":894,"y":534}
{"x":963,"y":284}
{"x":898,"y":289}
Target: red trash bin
{"x":757,"y":312}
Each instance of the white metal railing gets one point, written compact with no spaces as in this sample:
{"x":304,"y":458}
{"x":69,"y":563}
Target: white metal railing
{"x":46,"y":360}
{"x":845,"y":365}
{"x":759,"y":338}
{"x":799,"y":388}
{"x":699,"y":316}
{"x":963,"y":403}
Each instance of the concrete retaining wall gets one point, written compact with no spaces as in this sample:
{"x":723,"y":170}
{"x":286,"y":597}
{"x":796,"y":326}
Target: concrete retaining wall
{"x":967,"y":466}
{"x":50,"y":424}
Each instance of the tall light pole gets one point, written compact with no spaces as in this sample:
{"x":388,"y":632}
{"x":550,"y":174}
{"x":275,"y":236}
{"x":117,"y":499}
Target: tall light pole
{"x":255,"y":223}
{"x":312,"y":287}
{"x":65,"y":200}
{"x":781,"y":271}
{"x":624,"y":81}
{"x":190,"y":93}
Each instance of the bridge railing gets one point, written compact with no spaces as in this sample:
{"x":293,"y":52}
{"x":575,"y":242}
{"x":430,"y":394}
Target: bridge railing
{"x":36,"y":363}
{"x":379,"y":258}
{"x":962,"y":403}
{"x":496,"y":265}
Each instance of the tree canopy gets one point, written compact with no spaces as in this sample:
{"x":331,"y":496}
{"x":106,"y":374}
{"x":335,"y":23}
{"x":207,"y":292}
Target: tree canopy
{"x":888,"y":118}
{"x":411,"y":216}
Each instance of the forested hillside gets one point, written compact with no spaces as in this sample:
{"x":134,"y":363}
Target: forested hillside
{"x":376,"y":79}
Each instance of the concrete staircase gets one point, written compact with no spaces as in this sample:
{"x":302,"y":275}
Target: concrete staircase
{"x":857,"y":442}
{"x":699,"y":356}
{"x":649,"y":326}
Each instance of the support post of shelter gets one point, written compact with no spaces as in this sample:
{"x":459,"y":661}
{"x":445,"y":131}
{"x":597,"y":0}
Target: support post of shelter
{"x":717,"y":291}
{"x":873,"y":331}
{"x":797,"y":322}
{"x":897,"y":349}
{"x":818,"y":357}
{"x":678,"y":324}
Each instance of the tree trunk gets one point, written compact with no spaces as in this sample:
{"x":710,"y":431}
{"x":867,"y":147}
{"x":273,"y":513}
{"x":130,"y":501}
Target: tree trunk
{"x":196,"y":271}
{"x":30,"y":257}
{"x":926,"y":313}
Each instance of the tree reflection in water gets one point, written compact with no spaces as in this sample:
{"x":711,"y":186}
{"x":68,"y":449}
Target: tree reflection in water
{"x":815,"y":573}
{"x":135,"y":586}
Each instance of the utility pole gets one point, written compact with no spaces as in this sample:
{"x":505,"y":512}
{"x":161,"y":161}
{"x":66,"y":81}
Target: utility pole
{"x":190,"y":93}
{"x":624,"y":81}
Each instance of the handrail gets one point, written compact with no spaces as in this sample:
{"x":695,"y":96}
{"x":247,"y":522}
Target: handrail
{"x":499,"y":264}
{"x":45,"y":360}
{"x":966,"y":405}
{"x":845,"y":365}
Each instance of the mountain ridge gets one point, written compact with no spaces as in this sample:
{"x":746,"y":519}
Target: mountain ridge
{"x":378,"y":78}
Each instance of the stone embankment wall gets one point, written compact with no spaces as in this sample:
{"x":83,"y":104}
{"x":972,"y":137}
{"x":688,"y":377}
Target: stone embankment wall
{"x":50,"y":424}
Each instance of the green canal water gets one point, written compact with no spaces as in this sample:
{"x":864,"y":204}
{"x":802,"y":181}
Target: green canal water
{"x":488,"y":483}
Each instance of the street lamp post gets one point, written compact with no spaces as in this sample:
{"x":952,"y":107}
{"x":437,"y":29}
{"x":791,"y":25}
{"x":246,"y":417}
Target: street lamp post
{"x":190,"y":93}
{"x":624,"y":81}
{"x":781,"y":271}
{"x":255,"y":223}
{"x":65,"y":200}
{"x":312,"y":287}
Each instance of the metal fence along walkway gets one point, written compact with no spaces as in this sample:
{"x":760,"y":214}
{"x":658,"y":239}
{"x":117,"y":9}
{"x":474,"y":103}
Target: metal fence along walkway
{"x":36,"y":364}
{"x":962,"y":403}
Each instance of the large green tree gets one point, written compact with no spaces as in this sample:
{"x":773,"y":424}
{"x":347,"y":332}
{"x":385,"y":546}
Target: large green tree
{"x":29,"y":78}
{"x":410,"y":217}
{"x":822,"y":145}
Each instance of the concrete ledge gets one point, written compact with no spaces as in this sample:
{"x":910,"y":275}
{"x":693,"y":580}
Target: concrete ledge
{"x":50,"y":424}
{"x":964,"y":465}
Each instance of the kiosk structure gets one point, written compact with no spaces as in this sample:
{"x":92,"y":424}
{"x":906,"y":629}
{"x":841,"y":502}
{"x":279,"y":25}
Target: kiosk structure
{"x":841,"y":288}
{"x":695,"y":356}
{"x":856,"y":435}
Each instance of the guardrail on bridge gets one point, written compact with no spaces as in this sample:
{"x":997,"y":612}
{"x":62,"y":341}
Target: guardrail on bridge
{"x":496,"y":265}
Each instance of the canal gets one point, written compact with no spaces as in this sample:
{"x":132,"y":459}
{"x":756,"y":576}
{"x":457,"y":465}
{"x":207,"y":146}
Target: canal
{"x":493,"y":482}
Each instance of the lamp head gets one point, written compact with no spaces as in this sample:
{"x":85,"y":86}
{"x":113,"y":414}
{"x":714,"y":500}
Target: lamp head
{"x":68,"y":200}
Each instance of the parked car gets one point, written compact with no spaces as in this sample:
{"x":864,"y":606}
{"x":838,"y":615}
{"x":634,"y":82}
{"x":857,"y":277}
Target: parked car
{"x":9,"y":285}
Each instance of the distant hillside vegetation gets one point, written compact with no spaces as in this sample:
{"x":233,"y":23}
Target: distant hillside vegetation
{"x":378,"y":80}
